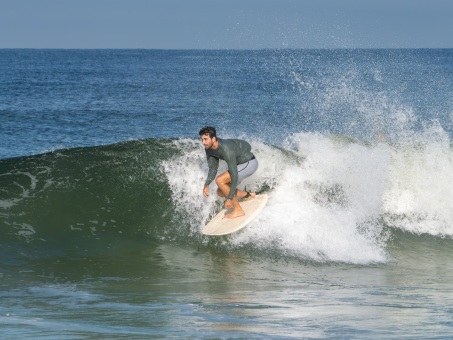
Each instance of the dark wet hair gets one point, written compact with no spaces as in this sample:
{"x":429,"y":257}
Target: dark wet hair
{"x":208,"y":130}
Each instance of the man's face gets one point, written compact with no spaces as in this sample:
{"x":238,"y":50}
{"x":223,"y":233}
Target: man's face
{"x":207,"y":141}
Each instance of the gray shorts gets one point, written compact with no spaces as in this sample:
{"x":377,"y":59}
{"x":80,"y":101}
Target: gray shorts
{"x":247,"y":169}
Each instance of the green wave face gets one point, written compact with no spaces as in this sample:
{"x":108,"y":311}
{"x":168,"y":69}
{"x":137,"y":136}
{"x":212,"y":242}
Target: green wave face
{"x":74,"y":199}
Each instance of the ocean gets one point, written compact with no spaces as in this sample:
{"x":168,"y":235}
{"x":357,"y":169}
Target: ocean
{"x":101,"y":205}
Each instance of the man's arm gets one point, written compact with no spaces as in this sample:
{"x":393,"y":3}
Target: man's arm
{"x":213,"y":164}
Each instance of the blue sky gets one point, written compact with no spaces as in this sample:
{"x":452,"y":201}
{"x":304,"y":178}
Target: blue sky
{"x":238,"y":24}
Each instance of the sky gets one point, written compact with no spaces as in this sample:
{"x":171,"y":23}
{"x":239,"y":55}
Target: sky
{"x":226,"y":24}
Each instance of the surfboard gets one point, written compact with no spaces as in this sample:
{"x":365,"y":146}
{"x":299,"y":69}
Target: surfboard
{"x":222,"y":226}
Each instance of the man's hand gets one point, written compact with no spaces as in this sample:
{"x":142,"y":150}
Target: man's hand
{"x":206,"y":190}
{"x":228,"y":204}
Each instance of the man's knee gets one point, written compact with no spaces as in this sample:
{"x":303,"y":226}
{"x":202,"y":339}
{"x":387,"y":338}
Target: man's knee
{"x":220,"y":180}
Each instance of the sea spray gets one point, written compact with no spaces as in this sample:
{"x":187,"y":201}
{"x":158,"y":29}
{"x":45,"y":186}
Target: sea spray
{"x":421,"y":193}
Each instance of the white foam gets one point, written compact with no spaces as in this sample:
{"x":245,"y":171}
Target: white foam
{"x":320,"y":210}
{"x":23,"y":189}
{"x":421,"y":194}
{"x":186,"y":176}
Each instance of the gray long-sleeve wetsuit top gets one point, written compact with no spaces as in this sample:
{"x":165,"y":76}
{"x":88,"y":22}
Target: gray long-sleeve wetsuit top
{"x":233,"y":152}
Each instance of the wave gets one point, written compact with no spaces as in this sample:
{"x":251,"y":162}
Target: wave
{"x":332,"y":199}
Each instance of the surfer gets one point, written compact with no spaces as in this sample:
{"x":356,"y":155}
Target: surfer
{"x":241,"y":164}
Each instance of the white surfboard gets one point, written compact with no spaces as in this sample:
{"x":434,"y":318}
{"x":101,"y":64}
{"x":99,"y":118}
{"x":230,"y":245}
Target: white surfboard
{"x":222,"y":226}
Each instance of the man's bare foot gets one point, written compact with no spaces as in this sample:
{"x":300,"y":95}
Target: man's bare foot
{"x":248,"y":196}
{"x":235,"y":213}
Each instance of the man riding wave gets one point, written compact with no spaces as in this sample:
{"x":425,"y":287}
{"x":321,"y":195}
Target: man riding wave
{"x":241,"y":164}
